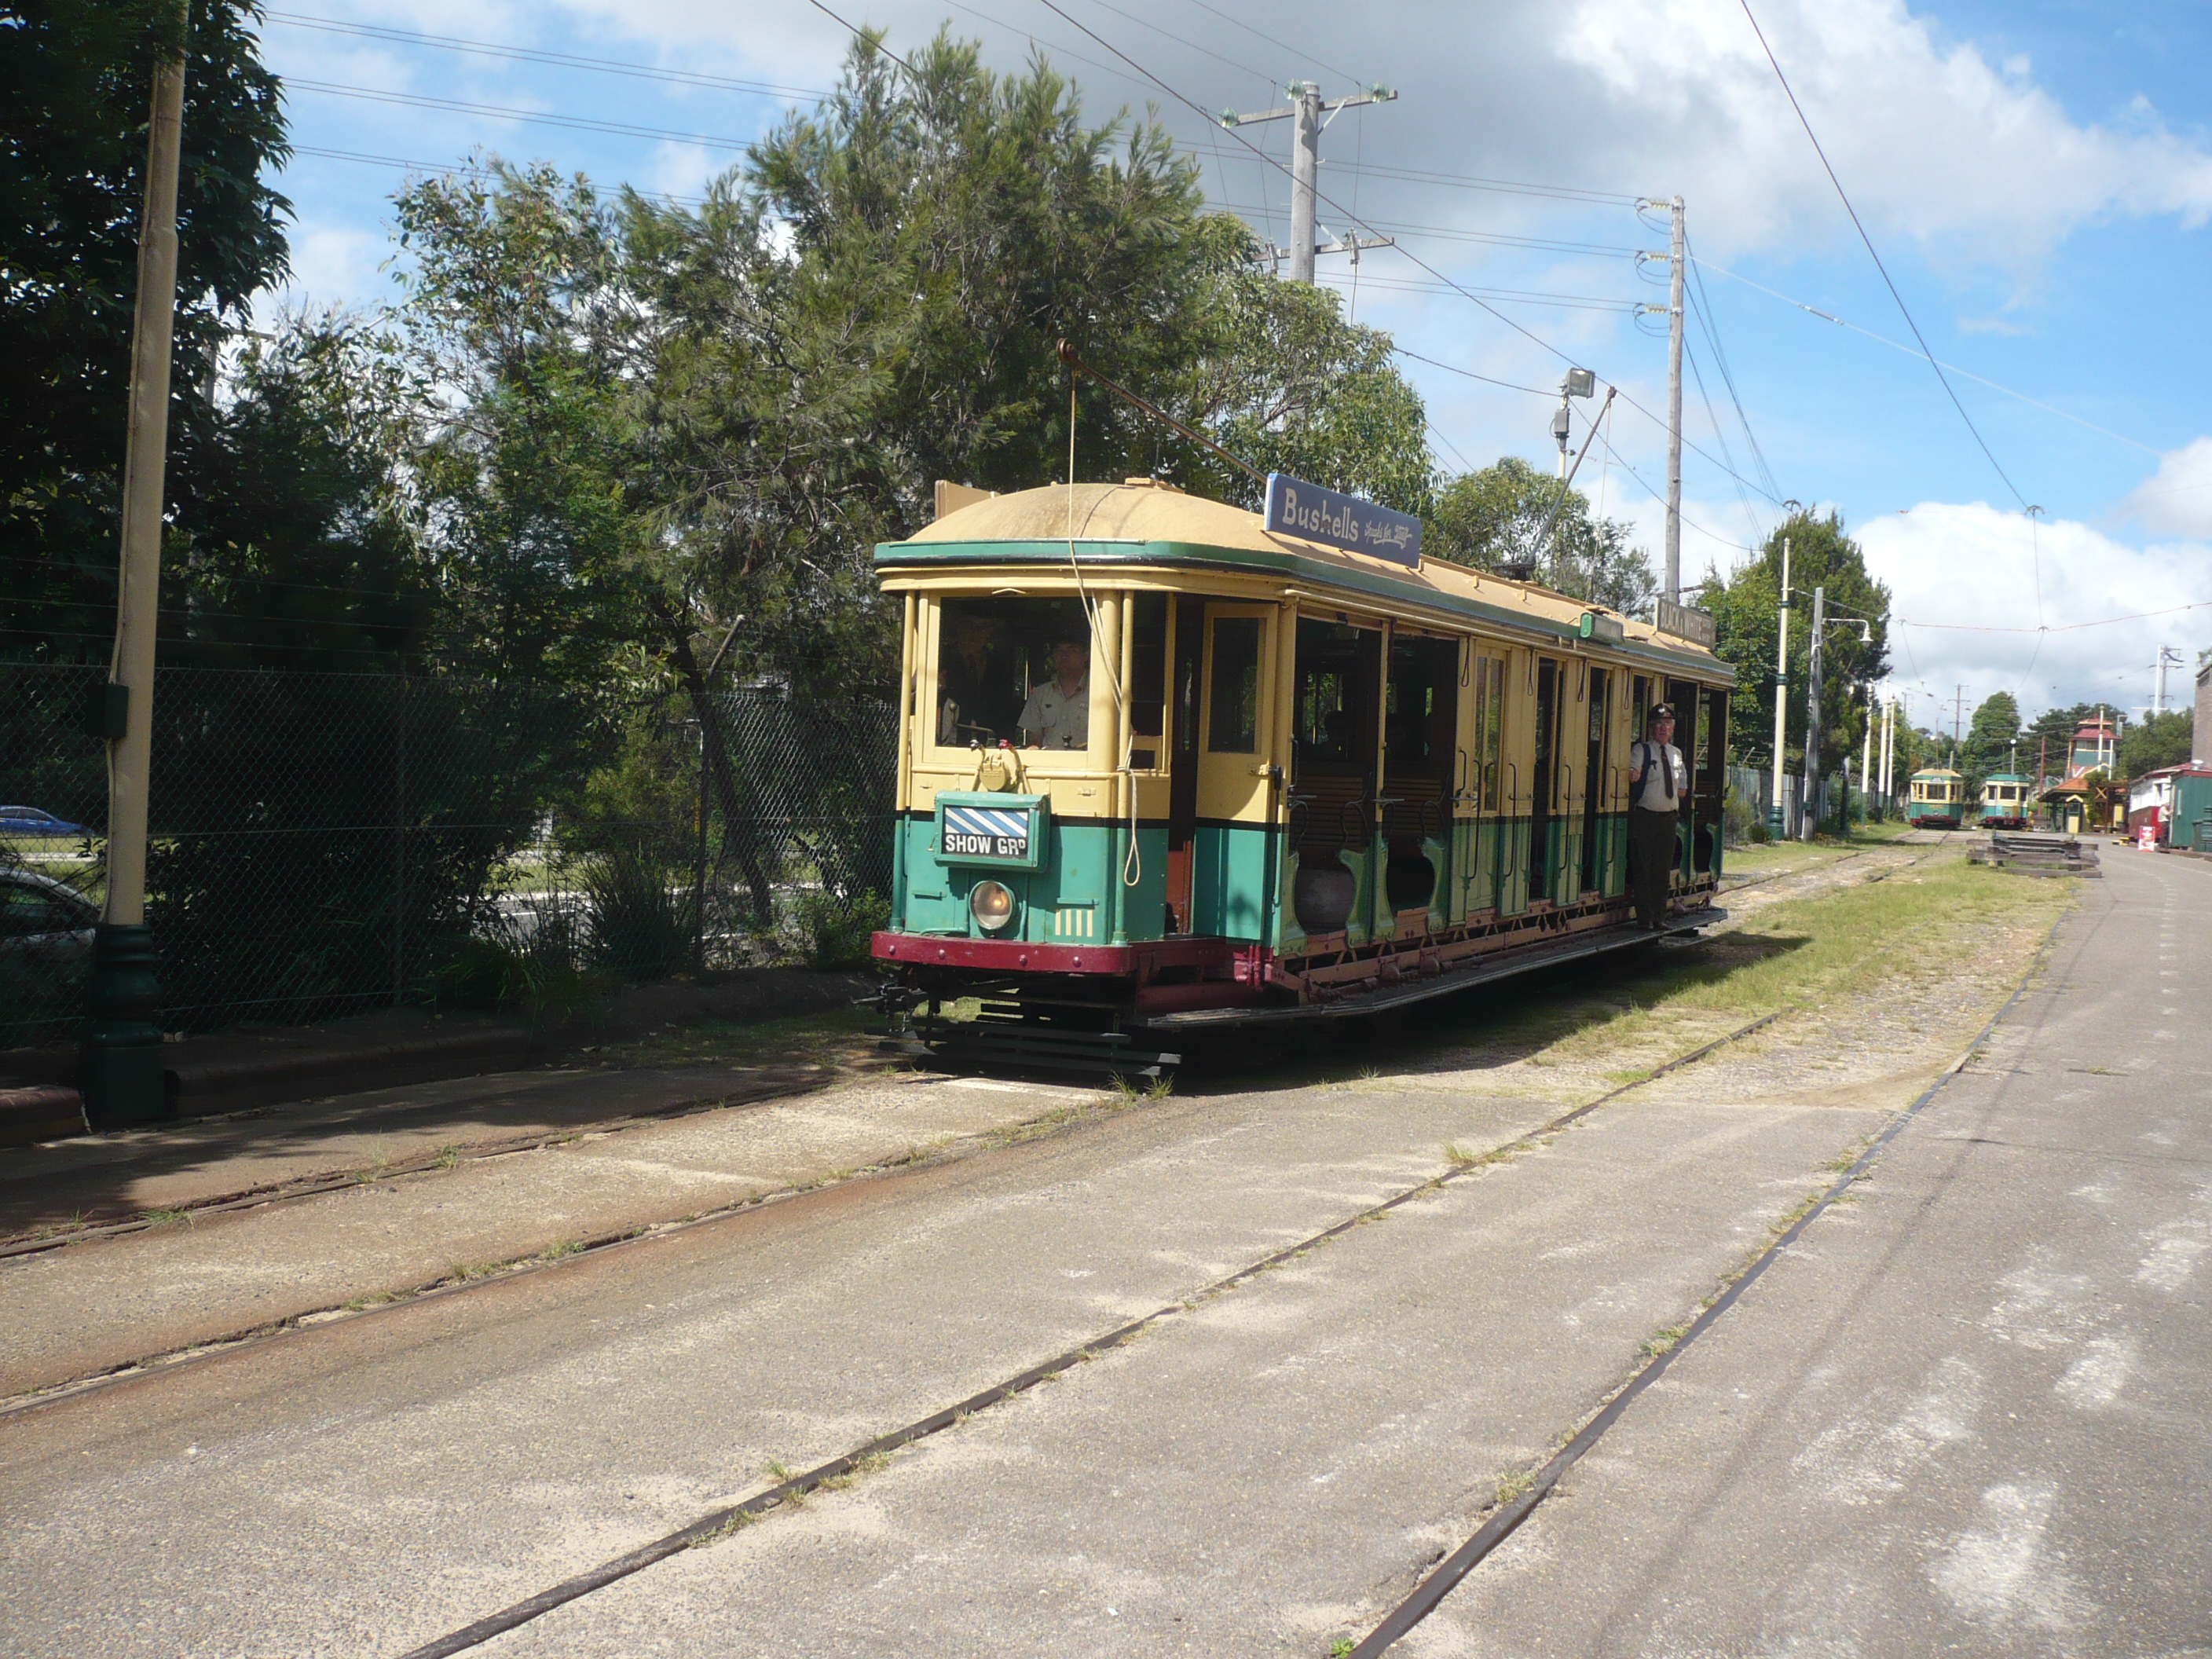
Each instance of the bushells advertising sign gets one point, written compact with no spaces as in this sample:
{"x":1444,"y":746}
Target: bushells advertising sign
{"x":1296,"y":507}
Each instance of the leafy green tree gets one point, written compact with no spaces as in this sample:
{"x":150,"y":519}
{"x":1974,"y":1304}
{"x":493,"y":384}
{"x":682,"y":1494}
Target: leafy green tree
{"x":1989,"y":739}
{"x":1746,"y":604}
{"x":1491,"y":517}
{"x":2157,"y":740}
{"x":75,"y":92}
{"x":1286,"y":383}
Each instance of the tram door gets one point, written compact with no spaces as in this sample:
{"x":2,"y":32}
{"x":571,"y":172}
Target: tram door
{"x":1231,"y":834}
{"x":1543,"y":839}
{"x":1597,"y":770}
{"x":1184,"y":688}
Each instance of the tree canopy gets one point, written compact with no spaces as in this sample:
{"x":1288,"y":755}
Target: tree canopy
{"x":1494,"y":517}
{"x":75,"y":99}
{"x":2155,"y":741}
{"x":1745,"y":605}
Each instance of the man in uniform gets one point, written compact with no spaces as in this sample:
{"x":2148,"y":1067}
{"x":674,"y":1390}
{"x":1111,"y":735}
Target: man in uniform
{"x":1058,"y":714}
{"x":1657,"y":780}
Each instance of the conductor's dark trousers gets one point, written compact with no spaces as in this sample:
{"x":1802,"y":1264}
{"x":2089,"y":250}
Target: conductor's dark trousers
{"x":1651,"y":854}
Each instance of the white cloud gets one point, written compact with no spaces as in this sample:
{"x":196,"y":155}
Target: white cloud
{"x":1971,"y":566}
{"x":2176,"y":499}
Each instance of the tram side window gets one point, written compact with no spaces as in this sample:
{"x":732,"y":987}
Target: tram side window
{"x":1489,"y":727}
{"x":1148,"y":666}
{"x":1232,"y":723}
{"x":999,"y":659}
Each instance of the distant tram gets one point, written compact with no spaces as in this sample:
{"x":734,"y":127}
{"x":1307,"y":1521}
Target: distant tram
{"x":1937,"y":800}
{"x":2006,"y":800}
{"x":1308,"y":783}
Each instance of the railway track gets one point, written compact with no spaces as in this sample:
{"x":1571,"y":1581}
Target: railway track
{"x":725,"y":1521}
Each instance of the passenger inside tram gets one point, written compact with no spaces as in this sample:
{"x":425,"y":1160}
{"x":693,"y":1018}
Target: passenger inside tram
{"x":1013,"y":670}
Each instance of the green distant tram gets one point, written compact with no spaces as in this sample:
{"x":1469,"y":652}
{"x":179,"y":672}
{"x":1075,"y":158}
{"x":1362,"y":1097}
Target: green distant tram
{"x":1163,"y":771}
{"x":2006,"y":798}
{"x":1936,"y":800}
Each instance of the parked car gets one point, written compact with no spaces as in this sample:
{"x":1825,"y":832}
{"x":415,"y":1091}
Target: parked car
{"x":44,"y":925}
{"x":30,"y":821}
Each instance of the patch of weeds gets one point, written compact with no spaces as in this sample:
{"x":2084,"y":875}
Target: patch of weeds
{"x":1341,"y":1648}
{"x":1659,"y":1342}
{"x":729,"y":1528}
{"x":566,"y":1247}
{"x":1160,"y":1087}
{"x":776,"y":1469}
{"x":162,"y":1217}
{"x":1512,"y":1485}
{"x":449,"y":1157}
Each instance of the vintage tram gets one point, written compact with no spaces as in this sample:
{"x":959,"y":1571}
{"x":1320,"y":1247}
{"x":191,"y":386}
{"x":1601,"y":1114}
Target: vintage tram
{"x":1936,"y":800}
{"x":2007,"y":799}
{"x":1311,"y":783}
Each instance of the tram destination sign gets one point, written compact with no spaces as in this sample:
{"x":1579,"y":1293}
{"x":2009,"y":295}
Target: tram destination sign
{"x":1684,"y":623}
{"x":1296,"y":507}
{"x":984,"y":828}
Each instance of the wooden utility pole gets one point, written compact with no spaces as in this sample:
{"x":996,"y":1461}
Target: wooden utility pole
{"x":1813,"y":716}
{"x":122,"y":1078}
{"x":1677,"y":246}
{"x":1775,"y":817}
{"x":1305,"y":173}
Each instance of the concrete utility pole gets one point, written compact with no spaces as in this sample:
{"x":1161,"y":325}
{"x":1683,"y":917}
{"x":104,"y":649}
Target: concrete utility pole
{"x":121,"y":1075}
{"x":1866,"y":747}
{"x":1674,"y":586}
{"x":1958,"y":719}
{"x":2166,"y":655}
{"x":1813,"y":716}
{"x":1305,"y":171}
{"x":1774,"y":816}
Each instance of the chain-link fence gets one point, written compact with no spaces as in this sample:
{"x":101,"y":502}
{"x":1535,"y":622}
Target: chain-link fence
{"x":321,"y":843}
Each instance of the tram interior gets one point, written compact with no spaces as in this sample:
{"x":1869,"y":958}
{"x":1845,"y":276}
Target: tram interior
{"x":992,"y":653}
{"x":1421,"y":706}
{"x":1338,"y":690}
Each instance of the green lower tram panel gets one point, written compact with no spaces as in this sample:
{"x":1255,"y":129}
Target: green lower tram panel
{"x":1088,"y":887}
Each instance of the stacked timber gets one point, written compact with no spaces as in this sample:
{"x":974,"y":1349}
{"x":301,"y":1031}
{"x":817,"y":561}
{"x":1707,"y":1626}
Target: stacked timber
{"x":2030,"y":855}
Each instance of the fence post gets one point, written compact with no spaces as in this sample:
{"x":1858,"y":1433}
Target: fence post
{"x":399,"y":840}
{"x":699,"y":864}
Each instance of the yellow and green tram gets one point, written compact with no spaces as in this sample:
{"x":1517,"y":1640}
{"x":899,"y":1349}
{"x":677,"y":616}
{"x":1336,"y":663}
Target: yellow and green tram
{"x":1290,"y":783}
{"x":1936,"y":800}
{"x":2005,"y":800}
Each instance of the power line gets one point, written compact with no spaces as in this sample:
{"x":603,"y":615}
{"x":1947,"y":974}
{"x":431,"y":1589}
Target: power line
{"x":1454,"y":287}
{"x":1844,"y":198}
{"x":1714,"y":421}
{"x":1709,"y":322}
{"x":1470,"y":181}
{"x":530,"y":55}
{"x":1271,"y":42}
{"x":1898,"y":346}
{"x":1454,"y":368}
{"x":461,"y":107}
{"x":874,"y":41}
{"x":1245,"y":69}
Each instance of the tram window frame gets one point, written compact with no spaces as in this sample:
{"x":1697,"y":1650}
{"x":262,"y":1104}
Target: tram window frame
{"x":1489,"y":727}
{"x":1232,"y":726}
{"x":1147,"y":614}
{"x":1025,"y":627}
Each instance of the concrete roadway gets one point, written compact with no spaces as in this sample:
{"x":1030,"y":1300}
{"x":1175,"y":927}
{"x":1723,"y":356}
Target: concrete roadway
{"x":1961,"y":1416}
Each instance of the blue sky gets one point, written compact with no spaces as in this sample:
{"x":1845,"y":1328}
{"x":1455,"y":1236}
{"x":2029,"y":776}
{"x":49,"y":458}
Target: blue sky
{"x":2036,"y":176}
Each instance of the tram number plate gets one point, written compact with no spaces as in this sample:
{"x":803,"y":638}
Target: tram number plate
{"x":980,"y":833}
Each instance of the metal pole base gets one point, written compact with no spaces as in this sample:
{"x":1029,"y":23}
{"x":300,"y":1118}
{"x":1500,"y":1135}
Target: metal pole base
{"x":121,"y":1074}
{"x":1774,"y":824}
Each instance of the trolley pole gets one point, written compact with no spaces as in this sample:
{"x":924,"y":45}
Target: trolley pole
{"x":1674,"y":409}
{"x":1774,"y":816}
{"x":121,"y":1067}
{"x":1309,"y":112}
{"x":1813,"y":718}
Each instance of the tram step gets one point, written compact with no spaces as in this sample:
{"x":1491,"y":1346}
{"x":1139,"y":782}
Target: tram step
{"x":1025,"y":1045}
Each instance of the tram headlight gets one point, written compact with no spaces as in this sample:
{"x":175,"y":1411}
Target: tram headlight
{"x":991,"y":905}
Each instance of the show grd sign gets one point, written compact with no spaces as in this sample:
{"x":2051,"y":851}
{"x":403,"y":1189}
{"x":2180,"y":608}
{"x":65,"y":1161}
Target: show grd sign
{"x":1296,"y":507}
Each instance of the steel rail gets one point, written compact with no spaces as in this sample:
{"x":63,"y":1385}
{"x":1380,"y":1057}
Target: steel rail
{"x":1433,"y":1589}
{"x":719,"y":1523}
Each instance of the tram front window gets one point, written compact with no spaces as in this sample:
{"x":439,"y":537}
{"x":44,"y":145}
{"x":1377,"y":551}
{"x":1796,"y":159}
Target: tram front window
{"x":1013,"y":670}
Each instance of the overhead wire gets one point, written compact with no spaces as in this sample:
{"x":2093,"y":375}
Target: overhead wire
{"x":1447,"y":282}
{"x":1905,"y":310}
{"x":532,"y":55}
{"x":1709,"y":322}
{"x":1899,"y":345}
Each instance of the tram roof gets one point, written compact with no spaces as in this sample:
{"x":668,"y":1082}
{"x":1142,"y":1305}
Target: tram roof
{"x":1935,"y":772}
{"x":1147,"y":524}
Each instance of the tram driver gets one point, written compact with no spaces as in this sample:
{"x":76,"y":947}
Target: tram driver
{"x":1656,"y":783}
{"x":1058,"y":714}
